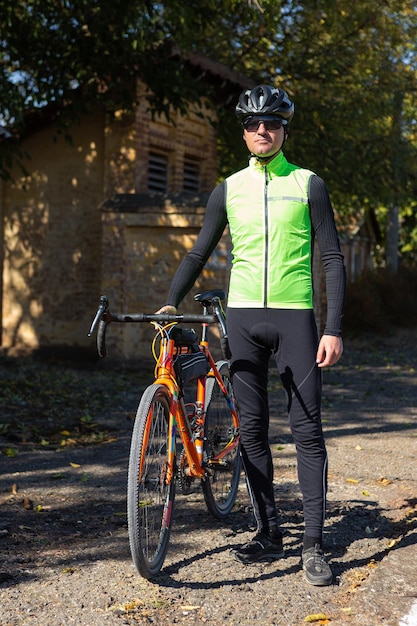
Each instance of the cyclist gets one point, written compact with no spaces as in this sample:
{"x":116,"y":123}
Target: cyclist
{"x":275,"y":210}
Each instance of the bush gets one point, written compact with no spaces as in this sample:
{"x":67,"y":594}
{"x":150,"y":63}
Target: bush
{"x":380,"y":301}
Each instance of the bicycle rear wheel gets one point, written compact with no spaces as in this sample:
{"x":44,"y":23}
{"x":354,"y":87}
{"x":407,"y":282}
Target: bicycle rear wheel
{"x":150,"y":497}
{"x":221,"y":482}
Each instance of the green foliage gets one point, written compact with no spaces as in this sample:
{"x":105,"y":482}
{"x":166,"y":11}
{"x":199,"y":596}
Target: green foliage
{"x":52,"y":48}
{"x":76,"y":54}
{"x":408,"y":234}
{"x":350,"y":67}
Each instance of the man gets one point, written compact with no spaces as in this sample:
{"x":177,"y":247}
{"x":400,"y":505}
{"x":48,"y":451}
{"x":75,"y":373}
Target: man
{"x":275,"y":210}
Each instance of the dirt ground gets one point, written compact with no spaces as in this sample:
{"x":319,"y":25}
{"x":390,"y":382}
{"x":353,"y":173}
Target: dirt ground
{"x":63,"y":535}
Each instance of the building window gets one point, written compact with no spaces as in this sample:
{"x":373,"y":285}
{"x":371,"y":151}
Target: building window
{"x":191,"y":181}
{"x":158,"y":173}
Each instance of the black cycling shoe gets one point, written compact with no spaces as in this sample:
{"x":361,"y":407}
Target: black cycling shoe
{"x":262,"y":547}
{"x":317,"y":570}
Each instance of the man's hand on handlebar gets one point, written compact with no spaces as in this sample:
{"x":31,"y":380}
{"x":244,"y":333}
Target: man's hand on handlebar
{"x":168,"y":308}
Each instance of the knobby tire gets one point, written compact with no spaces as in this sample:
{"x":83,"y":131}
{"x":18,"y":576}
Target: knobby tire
{"x":221,"y":483}
{"x":150,"y":500}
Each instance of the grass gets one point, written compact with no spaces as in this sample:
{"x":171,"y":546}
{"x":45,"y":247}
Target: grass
{"x":47,"y":402}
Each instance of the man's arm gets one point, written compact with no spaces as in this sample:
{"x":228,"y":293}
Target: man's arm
{"x":322,"y":218}
{"x":214,"y":223}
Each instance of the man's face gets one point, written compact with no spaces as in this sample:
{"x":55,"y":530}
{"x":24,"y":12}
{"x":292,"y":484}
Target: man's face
{"x":265,"y":140}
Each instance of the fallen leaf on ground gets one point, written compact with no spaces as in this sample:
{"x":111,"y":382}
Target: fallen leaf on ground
{"x":384,"y":481}
{"x":317,"y":617}
{"x":356,"y":578}
{"x":128,"y":606}
{"x":10,"y":452}
{"x":27,"y":503}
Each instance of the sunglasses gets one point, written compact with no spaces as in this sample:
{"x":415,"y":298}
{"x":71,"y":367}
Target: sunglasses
{"x":251,"y":124}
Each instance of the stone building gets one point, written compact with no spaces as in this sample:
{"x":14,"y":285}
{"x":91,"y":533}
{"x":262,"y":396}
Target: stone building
{"x":111,"y":212}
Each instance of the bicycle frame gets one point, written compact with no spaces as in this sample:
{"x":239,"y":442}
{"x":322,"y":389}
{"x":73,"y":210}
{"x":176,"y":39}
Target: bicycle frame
{"x":209,"y":434}
{"x":192,"y":440}
{"x":165,"y":375}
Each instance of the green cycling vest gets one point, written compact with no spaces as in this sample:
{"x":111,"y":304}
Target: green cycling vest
{"x":269,"y":221}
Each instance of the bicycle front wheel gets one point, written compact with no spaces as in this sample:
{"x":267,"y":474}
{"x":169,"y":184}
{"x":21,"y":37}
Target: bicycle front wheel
{"x":151,"y":483}
{"x":221,"y":455}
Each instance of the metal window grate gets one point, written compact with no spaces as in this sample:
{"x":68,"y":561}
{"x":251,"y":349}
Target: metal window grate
{"x":191,"y":180}
{"x":158,"y":173}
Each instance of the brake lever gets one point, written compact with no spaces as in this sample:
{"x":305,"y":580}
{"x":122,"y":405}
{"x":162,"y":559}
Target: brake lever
{"x":103,"y":308}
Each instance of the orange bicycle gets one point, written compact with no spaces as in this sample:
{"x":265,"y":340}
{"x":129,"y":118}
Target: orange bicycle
{"x":207,"y":427}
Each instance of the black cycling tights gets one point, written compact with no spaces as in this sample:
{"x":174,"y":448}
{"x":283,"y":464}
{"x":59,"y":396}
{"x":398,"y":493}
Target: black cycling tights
{"x":290,"y":337}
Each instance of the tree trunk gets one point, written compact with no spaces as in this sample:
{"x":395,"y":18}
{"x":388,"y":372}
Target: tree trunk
{"x":393,"y":230}
{"x":392,"y":238}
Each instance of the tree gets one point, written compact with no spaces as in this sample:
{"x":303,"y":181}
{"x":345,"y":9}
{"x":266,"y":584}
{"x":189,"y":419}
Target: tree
{"x":352,"y":70}
{"x":344,"y":62}
{"x":73,"y":55}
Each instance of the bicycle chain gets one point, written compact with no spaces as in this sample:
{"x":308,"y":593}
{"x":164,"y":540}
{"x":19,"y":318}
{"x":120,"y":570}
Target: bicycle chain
{"x":185,"y":482}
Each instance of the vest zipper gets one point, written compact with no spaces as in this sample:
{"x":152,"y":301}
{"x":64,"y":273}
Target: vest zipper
{"x":266,"y":237}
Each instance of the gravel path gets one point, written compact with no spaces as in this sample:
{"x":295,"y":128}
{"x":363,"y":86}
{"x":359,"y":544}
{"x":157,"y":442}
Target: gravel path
{"x":63,"y":536}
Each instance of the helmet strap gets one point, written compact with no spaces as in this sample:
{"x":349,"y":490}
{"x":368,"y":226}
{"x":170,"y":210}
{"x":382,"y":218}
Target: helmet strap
{"x":268,"y":158}
{"x":262,"y":159}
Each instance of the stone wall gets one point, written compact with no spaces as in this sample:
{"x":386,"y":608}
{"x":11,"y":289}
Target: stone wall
{"x":53,"y":270}
{"x":144,"y":240}
{"x":52,"y":239}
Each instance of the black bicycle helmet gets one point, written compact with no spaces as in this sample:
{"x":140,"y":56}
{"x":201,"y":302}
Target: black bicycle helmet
{"x":264,"y":100}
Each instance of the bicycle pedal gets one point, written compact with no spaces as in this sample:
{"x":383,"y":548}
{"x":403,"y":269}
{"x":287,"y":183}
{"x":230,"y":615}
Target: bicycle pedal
{"x":219,"y":466}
